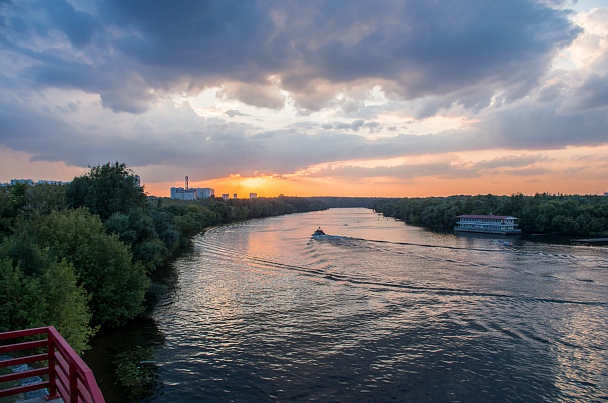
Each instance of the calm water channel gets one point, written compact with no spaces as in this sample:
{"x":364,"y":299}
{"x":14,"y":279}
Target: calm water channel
{"x":380,"y":311}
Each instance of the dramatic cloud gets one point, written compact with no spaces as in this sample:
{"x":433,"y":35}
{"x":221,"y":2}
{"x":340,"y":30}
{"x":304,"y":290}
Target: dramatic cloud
{"x":276,"y":87}
{"x":412,"y":48}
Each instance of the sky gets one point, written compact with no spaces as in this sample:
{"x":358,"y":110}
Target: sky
{"x":385,"y":98}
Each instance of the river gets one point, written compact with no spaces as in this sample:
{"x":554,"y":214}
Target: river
{"x":380,"y":311}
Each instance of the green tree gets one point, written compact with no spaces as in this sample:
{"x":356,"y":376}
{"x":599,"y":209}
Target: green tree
{"x":105,"y":190}
{"x":52,"y":298}
{"x":67,"y":305}
{"x":167,"y":231}
{"x":193,"y":219}
{"x":102,"y":263}
{"x":21,"y":306}
{"x":12,"y":200}
{"x":18,"y":192}
{"x":137,"y":230}
{"x":21,"y":247}
{"x":43,"y":199}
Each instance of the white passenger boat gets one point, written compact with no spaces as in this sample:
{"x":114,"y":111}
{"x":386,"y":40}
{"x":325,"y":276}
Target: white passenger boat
{"x":488,"y":224}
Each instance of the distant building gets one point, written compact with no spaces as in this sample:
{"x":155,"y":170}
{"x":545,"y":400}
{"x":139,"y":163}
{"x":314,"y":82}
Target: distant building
{"x":489,"y":224}
{"x":190,"y":193}
{"x":204,"y":192}
{"x":225,"y":196}
{"x":23,"y":181}
{"x":183,"y":194}
{"x":605,"y":193}
{"x":234,"y":196}
{"x":30,"y":182}
{"x":50,"y":182}
{"x":253,"y":195}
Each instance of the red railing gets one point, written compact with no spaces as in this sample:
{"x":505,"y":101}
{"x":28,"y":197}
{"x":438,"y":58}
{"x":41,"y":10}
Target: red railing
{"x":69,"y":377}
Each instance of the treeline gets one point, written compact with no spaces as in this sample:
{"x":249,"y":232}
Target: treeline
{"x":542,"y":213}
{"x":347,"y":202}
{"x":80,"y":256}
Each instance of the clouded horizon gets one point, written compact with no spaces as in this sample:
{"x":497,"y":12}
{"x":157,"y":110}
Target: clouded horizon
{"x":346,"y":98}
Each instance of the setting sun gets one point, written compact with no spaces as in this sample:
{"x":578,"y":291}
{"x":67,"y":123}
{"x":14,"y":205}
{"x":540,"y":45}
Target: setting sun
{"x":254,"y":183}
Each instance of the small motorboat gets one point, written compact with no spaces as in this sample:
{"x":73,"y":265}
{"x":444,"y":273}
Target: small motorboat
{"x":318,"y":232}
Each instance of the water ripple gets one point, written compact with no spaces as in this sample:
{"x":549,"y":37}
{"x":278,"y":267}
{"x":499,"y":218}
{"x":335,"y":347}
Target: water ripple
{"x":381,"y":312}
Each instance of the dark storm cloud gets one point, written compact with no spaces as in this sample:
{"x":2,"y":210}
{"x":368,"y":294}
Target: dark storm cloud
{"x":210,"y":38}
{"x":453,"y":43}
{"x":414,"y":48}
{"x":441,"y":48}
{"x":540,"y":127}
{"x":78,"y":26}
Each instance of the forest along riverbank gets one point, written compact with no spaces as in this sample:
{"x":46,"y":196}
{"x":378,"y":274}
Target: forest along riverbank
{"x":259,"y":310}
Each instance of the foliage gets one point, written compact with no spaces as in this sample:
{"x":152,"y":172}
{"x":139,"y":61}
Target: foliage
{"x":44,"y":198}
{"x":166,"y":228}
{"x":102,"y":262}
{"x":137,"y":230}
{"x":541,"y":213}
{"x":20,"y":304}
{"x":12,"y":200}
{"x":21,"y":247}
{"x":105,"y":190}
{"x":193,"y":219}
{"x":52,"y":298}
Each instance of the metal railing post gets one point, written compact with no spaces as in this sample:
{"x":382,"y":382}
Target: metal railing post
{"x":73,"y":381}
{"x":53,"y":391}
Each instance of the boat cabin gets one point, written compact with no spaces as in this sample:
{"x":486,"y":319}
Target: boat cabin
{"x":489,"y":224}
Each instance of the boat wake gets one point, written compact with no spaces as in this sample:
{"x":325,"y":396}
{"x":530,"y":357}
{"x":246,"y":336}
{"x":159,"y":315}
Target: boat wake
{"x":320,"y":268}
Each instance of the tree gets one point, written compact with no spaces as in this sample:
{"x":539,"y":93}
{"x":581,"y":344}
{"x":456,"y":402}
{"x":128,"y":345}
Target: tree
{"x":44,"y":198}
{"x":50,"y":299}
{"x":193,"y":219}
{"x":20,"y":304}
{"x":102,"y":263}
{"x":21,"y":247}
{"x":167,"y":231}
{"x":137,"y":230}
{"x":67,"y":305}
{"x":12,"y":200}
{"x":105,"y":190}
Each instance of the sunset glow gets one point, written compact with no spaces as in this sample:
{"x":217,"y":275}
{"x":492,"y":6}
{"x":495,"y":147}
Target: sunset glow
{"x":399,"y":99}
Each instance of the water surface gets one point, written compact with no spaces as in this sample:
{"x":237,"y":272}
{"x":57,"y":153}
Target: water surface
{"x":381,"y":311}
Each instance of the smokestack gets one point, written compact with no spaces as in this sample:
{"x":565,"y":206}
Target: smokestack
{"x":186,"y":183}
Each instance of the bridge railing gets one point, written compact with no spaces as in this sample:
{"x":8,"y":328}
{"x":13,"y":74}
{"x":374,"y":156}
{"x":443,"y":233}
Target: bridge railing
{"x":68,"y":377}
